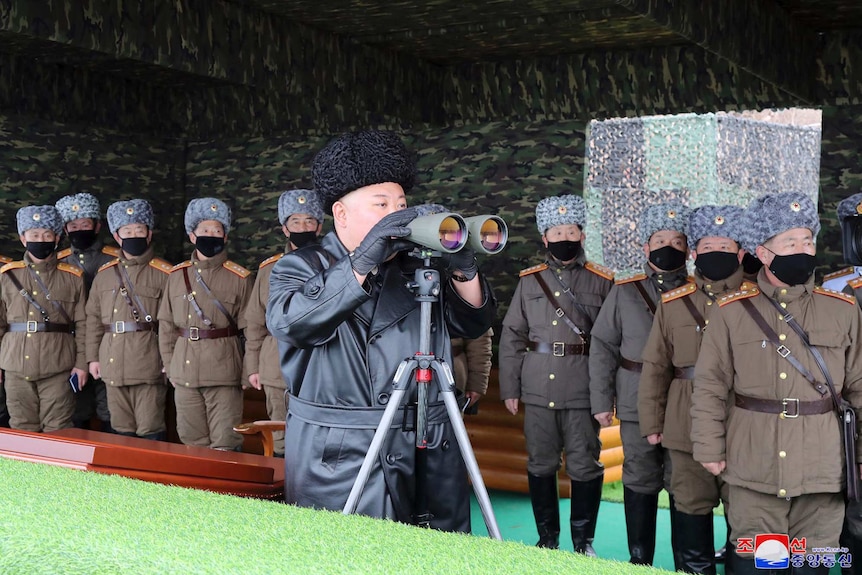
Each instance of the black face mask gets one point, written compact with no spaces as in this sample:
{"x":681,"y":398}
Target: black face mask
{"x":750,"y":264}
{"x":793,"y":269}
{"x":135,"y":246}
{"x":717,"y":266}
{"x":300,"y":239}
{"x":667,"y":258}
{"x":41,"y":250}
{"x":565,"y":250}
{"x":82,"y":239}
{"x":209,"y":246}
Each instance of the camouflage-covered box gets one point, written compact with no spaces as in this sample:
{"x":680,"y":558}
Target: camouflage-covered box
{"x":696,"y":159}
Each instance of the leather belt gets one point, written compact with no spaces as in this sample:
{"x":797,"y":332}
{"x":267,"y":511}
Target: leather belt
{"x":559,"y":348}
{"x":195,"y":333}
{"x":631,"y":365}
{"x":128,"y":326}
{"x":34,"y":326}
{"x":787,"y":408}
{"x":683,"y":372}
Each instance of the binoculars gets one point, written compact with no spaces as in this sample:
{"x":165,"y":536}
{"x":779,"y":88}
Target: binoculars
{"x":449,"y":233}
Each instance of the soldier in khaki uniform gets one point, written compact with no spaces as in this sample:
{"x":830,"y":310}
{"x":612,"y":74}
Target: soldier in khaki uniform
{"x":849,"y":280}
{"x":4,"y":413}
{"x":122,"y":330}
{"x":200,"y":318}
{"x":664,"y":395}
{"x":619,"y":337}
{"x":42,"y":326}
{"x":82,"y":220}
{"x":471,"y":368}
{"x":756,"y":419}
{"x":301,"y":216}
{"x":544,"y":349}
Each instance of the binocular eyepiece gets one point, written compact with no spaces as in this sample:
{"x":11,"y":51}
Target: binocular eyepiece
{"x":449,"y":233}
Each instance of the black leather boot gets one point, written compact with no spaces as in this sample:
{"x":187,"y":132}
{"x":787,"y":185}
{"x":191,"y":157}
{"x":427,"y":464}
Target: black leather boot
{"x":746,"y":567}
{"x":641,"y":512}
{"x":586,"y":496}
{"x":695,"y":535}
{"x":674,"y":544}
{"x":546,"y":509}
{"x":157,"y":436}
{"x":808,"y":570}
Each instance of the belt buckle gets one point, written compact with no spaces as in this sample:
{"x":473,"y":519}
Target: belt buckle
{"x":559,"y":349}
{"x":782,"y":350}
{"x":119,"y":327}
{"x":789,"y":401}
{"x":194,"y":334}
{"x":32,"y":327}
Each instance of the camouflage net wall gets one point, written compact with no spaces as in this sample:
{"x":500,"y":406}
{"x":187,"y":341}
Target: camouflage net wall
{"x":696,"y":159}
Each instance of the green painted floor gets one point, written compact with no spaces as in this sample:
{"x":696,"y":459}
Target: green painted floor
{"x":515,"y":520}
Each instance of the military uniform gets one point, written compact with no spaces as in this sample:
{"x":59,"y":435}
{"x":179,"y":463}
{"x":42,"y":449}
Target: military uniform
{"x":38,"y":350}
{"x":261,"y":350}
{"x":4,"y":413}
{"x":90,"y":260}
{"x":789,"y":480}
{"x":122,"y":337}
{"x":204,"y":362}
{"x":471,"y":363}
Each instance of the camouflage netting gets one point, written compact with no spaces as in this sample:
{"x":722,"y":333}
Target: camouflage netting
{"x":695,"y":159}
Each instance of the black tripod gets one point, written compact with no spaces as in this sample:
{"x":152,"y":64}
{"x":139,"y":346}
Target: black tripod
{"x":426,"y":285}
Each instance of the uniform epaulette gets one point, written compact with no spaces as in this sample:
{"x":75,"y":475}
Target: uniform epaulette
{"x":836,"y":294}
{"x":236,"y":268}
{"x":270,"y":260}
{"x":182,"y":265}
{"x":5,"y":260}
{"x":838,"y":274}
{"x":601,"y":271}
{"x":679,"y":292}
{"x":532,"y":270}
{"x":855,"y":283}
{"x":623,"y":278}
{"x":63,"y":254}
{"x":111,"y":251}
{"x":75,"y":270}
{"x":13,"y":266}
{"x":741,"y":293}
{"x":109,"y":264}
{"x":161,"y":265}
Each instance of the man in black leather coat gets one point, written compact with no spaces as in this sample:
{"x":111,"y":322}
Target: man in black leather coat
{"x":345,"y":319}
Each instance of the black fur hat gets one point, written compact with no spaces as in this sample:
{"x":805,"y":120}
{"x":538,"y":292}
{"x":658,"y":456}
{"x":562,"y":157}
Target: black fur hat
{"x":358,"y":159}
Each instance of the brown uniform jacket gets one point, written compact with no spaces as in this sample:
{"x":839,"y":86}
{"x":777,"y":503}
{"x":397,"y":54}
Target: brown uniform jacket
{"x":89,"y":260}
{"x":129,"y":358}
{"x":42,"y":354}
{"x":261,"y":349}
{"x":664,"y":400}
{"x":204,"y":362}
{"x":621,"y":332}
{"x":543,"y":379}
{"x":471,"y":362}
{"x":786,"y":457}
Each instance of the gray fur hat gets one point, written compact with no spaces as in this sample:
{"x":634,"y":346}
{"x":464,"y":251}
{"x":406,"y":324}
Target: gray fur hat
{"x":719,"y":221}
{"x":559,"y":211}
{"x":299,"y":202}
{"x":672,"y":216}
{"x":772,"y":214}
{"x":201,"y":209}
{"x":33,"y":217}
{"x":129,"y":212}
{"x":850,"y":207}
{"x":78,"y":206}
{"x":358,"y":159}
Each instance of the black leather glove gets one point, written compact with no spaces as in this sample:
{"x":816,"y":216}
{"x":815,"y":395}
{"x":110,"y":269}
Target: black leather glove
{"x":379,"y":245}
{"x":463,"y":261}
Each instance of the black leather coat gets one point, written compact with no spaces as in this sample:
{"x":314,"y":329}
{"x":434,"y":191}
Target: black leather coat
{"x":340,"y":347}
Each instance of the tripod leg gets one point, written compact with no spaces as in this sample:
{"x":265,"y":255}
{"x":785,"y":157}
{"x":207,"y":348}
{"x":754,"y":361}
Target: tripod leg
{"x":401,"y":382}
{"x":447,"y":386}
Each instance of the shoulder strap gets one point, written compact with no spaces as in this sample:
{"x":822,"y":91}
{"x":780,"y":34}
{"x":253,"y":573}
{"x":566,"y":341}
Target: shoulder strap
{"x":216,"y":302}
{"x":559,"y":310}
{"x":26,"y":295}
{"x":650,"y":303}
{"x":125,"y":291}
{"x":692,"y":309}
{"x":191,"y":297}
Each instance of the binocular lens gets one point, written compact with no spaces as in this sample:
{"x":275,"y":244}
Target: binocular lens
{"x":492,"y":235}
{"x":453,"y":234}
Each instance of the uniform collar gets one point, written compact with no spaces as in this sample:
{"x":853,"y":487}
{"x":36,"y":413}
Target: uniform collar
{"x":667,"y":280}
{"x":715,"y":288}
{"x":142,"y":259}
{"x":93,"y":249}
{"x":558,"y":266}
{"x":213,"y":262}
{"x":47,"y":265}
{"x":783,"y":293}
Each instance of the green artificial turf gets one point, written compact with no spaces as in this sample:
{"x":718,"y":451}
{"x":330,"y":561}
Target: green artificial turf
{"x":614,"y":492}
{"x":57,"y":521}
